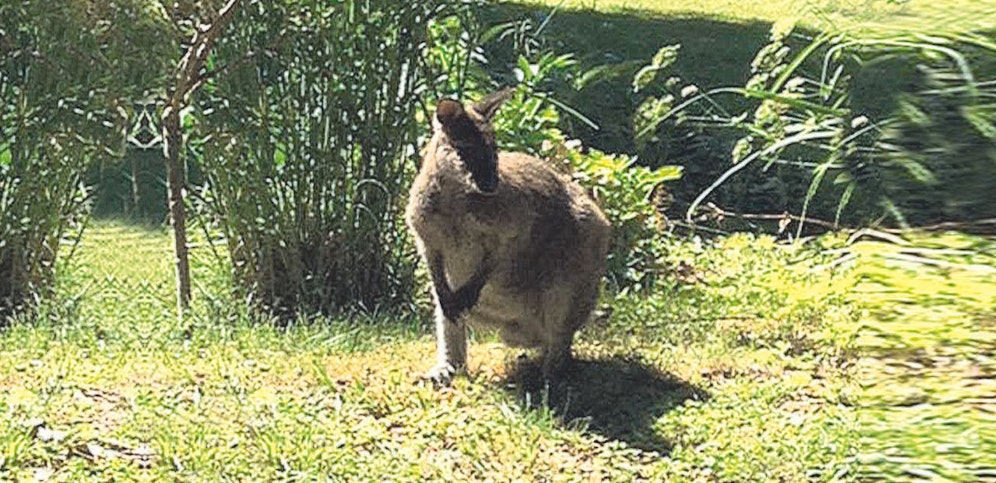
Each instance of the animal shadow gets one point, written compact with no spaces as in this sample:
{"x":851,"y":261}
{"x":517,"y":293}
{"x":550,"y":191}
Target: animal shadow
{"x":618,"y":398}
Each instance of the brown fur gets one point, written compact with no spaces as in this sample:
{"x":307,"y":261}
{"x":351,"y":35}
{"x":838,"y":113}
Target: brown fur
{"x":510,"y":243}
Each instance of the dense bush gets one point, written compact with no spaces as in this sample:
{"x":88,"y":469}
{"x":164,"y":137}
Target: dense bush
{"x":631,"y":196}
{"x":938,"y":147}
{"x":61,"y":109}
{"x":531,"y":122}
{"x":628,"y":193}
{"x":307,"y":142}
{"x":826,"y":136}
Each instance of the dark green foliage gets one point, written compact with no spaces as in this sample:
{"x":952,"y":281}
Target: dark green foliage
{"x":60,"y":110}
{"x":626,"y":192}
{"x":939,"y":148}
{"x":883,"y":72}
{"x":453,"y":55}
{"x":630,"y":196}
{"x":818,"y":143}
{"x":133,"y":188}
{"x":613,"y":46}
{"x":307,"y":142}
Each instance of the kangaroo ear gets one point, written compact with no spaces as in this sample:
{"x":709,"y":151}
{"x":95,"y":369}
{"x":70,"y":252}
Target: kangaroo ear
{"x":487,"y":107}
{"x":448,"y":111}
{"x":455,"y":121}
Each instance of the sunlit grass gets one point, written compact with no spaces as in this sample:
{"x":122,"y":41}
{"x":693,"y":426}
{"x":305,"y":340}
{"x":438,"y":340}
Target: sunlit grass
{"x":697,"y":383}
{"x":928,"y":341}
{"x":760,"y":361}
{"x":866,"y":15}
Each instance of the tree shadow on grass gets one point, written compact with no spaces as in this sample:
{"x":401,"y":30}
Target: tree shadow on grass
{"x":618,"y":398}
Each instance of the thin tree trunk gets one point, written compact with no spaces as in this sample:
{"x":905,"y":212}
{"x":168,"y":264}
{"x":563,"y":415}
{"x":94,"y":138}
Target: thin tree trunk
{"x":175,"y":180}
{"x":136,"y":194}
{"x":188,"y":79}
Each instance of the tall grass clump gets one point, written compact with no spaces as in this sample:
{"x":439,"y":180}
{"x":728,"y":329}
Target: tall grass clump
{"x":58,"y":113}
{"x":849,"y":130}
{"x":943,"y":129}
{"x":307,"y":140}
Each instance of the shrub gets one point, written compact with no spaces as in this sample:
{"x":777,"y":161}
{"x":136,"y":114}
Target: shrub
{"x":630,"y":196}
{"x":938,"y":147}
{"x":530,"y":122}
{"x":306,"y":142}
{"x":825,"y":136}
{"x":628,"y":193}
{"x":60,"y":110}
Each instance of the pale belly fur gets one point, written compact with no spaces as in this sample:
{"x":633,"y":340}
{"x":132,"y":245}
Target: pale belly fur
{"x":516,"y":316}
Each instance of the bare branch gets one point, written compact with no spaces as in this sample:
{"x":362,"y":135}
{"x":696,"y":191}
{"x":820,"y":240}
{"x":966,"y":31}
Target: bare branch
{"x":200,"y":47}
{"x":207,"y":76}
{"x":783,"y":218}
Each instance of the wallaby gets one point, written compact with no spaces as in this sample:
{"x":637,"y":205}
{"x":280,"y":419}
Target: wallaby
{"x":510,"y":242}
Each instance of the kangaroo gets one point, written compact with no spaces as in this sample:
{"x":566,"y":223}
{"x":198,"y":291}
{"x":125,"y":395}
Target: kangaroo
{"x":510,"y":243}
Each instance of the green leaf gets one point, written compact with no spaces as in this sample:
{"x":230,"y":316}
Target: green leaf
{"x":666,"y":56}
{"x":982,"y":118}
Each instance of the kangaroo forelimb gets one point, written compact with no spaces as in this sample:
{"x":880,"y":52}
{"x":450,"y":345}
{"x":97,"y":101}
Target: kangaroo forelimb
{"x":456,"y":303}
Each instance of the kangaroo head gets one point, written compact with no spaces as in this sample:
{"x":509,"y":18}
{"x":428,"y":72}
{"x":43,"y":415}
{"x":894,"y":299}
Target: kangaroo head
{"x":469,"y":131}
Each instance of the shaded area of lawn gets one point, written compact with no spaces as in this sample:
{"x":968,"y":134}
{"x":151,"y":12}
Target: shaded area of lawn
{"x":619,"y":398}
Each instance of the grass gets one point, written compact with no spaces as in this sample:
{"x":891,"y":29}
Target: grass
{"x":871,"y":360}
{"x":865,"y":15}
{"x":761,"y":362}
{"x":928,"y":340}
{"x":108,"y":385}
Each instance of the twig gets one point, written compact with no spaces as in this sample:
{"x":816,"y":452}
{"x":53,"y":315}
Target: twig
{"x":783,"y":218}
{"x":694,"y":226}
{"x":882,"y":235}
{"x":206,"y":76}
{"x":79,"y":236}
{"x":197,"y":54}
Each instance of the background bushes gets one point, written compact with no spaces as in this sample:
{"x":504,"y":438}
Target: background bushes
{"x":308,"y":124}
{"x":927,"y":117}
{"x":61,"y":109}
{"x":307,"y":143}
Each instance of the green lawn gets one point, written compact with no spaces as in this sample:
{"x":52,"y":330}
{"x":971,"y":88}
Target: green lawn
{"x":733,"y":376}
{"x":871,"y":359}
{"x":744,"y":370}
{"x":928,"y":357}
